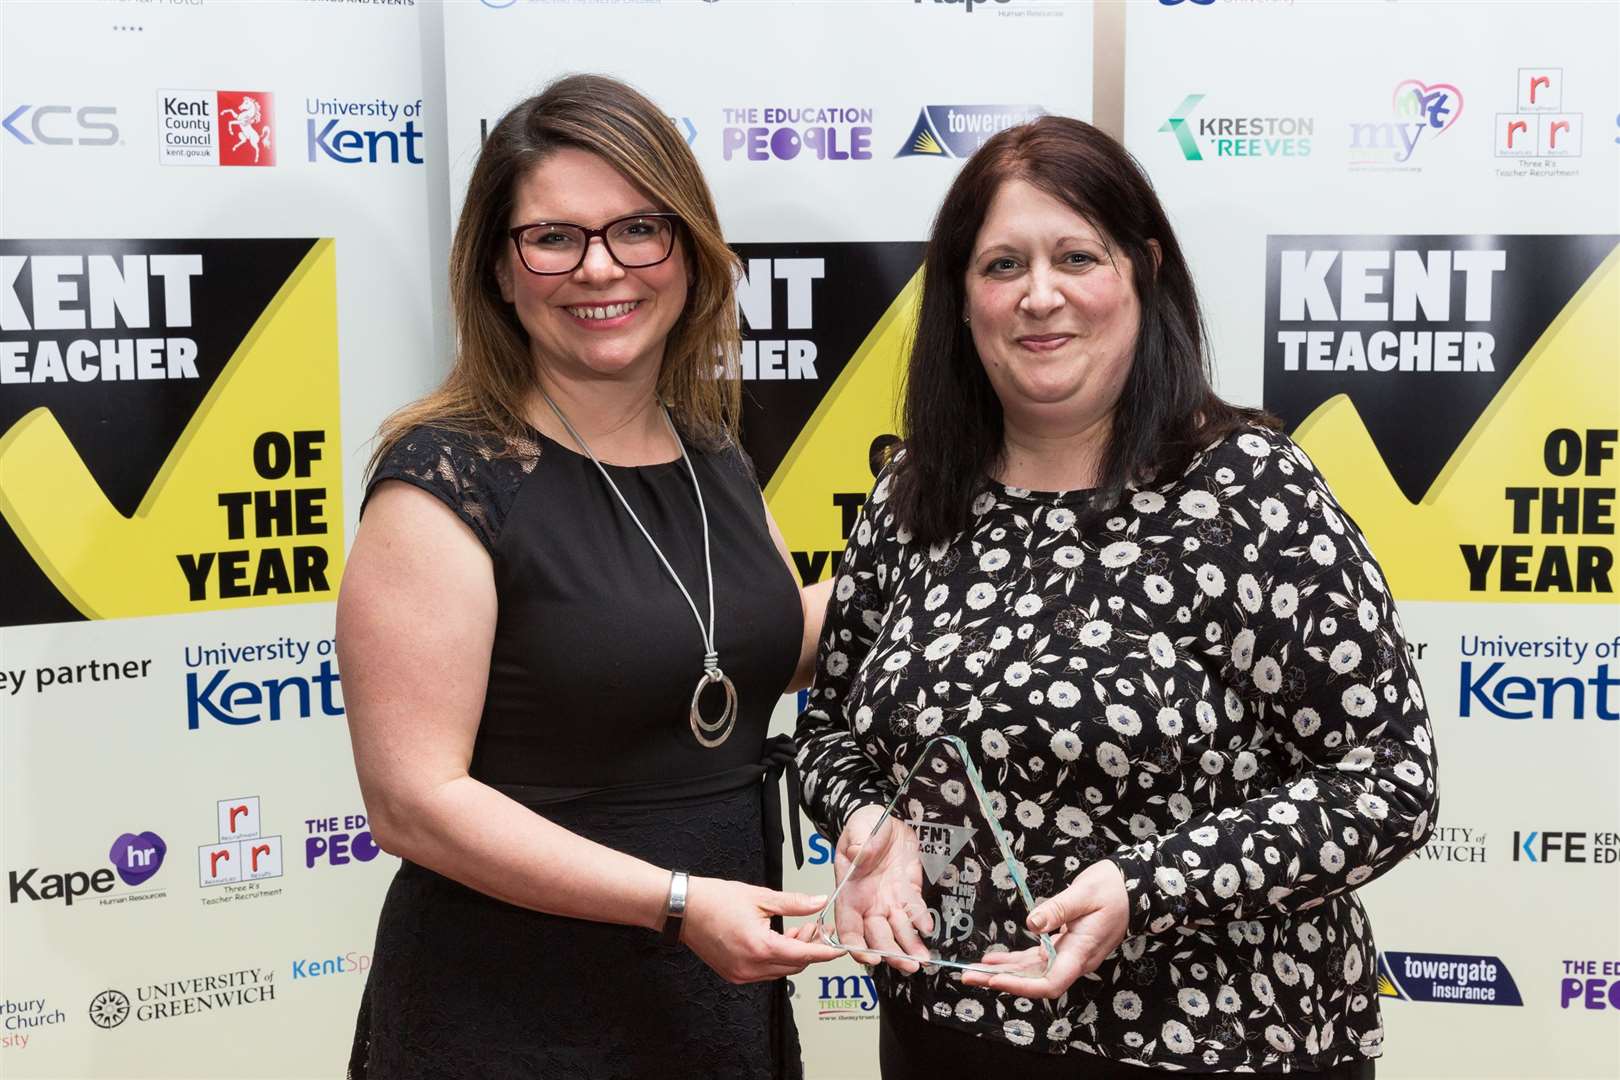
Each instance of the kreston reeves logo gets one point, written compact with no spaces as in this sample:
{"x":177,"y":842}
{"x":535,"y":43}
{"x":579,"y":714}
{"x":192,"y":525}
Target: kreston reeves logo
{"x":243,"y":853}
{"x":209,"y":127}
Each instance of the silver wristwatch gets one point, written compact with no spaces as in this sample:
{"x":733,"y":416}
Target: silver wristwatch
{"x":674,"y":907}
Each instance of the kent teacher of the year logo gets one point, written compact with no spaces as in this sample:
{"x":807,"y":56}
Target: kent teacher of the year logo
{"x":168,"y":426}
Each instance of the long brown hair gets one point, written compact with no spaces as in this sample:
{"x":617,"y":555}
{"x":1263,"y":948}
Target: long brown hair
{"x":951,"y":417}
{"x":493,"y":374}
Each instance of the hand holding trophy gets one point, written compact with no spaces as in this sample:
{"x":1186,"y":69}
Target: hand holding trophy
{"x":932,"y":880}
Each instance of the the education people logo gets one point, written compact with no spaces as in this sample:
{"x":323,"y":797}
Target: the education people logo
{"x":1249,"y":135}
{"x":216,"y":127}
{"x":1538,"y":127}
{"x":1446,"y":978}
{"x":1419,"y":113}
{"x":244,"y":852}
{"x":956,"y":131}
{"x":30,"y":124}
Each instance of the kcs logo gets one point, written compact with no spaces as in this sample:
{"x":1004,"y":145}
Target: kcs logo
{"x":62,"y":125}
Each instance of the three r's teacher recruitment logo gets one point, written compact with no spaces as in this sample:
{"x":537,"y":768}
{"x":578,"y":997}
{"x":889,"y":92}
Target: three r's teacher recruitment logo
{"x":168,"y":426}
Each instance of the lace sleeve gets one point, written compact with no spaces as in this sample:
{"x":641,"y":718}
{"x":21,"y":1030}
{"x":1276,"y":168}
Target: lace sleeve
{"x":477,"y":478}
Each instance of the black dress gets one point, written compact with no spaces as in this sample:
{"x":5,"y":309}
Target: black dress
{"x":592,"y":669}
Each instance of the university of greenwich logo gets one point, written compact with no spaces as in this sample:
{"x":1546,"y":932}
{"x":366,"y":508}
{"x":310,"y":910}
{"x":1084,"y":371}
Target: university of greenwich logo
{"x":216,"y":127}
{"x":1214,"y":133}
{"x":956,"y":131}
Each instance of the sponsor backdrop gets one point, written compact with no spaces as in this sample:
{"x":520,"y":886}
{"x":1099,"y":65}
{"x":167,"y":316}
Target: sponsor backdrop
{"x":224,"y":231}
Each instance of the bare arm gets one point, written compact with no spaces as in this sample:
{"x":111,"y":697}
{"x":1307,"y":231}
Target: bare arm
{"x":416,"y":620}
{"x":813,"y":599}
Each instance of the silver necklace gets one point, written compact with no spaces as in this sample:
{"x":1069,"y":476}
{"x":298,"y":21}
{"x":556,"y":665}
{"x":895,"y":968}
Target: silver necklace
{"x":709,"y":733}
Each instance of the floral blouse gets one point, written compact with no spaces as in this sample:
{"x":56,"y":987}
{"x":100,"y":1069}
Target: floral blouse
{"x":1211,"y":688}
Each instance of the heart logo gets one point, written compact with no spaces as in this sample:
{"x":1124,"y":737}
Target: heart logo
{"x":1437,"y":106}
{"x":137,"y":858}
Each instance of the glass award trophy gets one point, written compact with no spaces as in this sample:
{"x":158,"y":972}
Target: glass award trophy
{"x":939,"y":860}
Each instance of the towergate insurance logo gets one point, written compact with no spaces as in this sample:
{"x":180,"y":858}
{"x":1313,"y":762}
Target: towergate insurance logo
{"x":1419,"y":113}
{"x":216,"y":127}
{"x":1238,"y":136}
{"x":1446,"y":978}
{"x":955,"y":131}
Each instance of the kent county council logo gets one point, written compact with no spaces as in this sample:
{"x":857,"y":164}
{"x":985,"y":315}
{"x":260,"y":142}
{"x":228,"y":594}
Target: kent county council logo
{"x":216,"y":127}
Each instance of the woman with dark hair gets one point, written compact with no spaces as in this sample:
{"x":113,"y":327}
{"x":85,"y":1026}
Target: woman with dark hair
{"x":1173,"y":656}
{"x":570,"y":770}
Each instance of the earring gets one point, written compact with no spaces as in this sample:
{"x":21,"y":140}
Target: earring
{"x":966,"y":318}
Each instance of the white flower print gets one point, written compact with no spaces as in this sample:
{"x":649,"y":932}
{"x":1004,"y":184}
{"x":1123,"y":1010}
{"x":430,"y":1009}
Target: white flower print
{"x":1307,"y":721}
{"x":1304,"y":790}
{"x":1274,"y":514}
{"x":1133,"y":1039}
{"x":1211,"y":580}
{"x":997,"y":802}
{"x":1017,"y":673}
{"x":1352,"y":965}
{"x":1204,"y":713}
{"x":1204,"y":835}
{"x":1073,"y":821}
{"x":1253,"y":445}
{"x":1162,"y":652}
{"x":896,"y":660}
{"x":1261,"y":987}
{"x":1225,"y":881}
{"x":1346,"y":656}
{"x":1193,"y":1002}
{"x":1096,"y":633}
{"x":1248,"y":591}
{"x":1284,"y":601}
{"x":1059,"y":519}
{"x":1030,"y":815}
{"x":1127,"y":1005}
{"x":863,"y":719}
{"x":1123,"y":719}
{"x":1001,"y":638}
{"x":1063,"y":695}
{"x":1147,"y":502}
{"x":1158,"y":589}
{"x":1279,"y":1038}
{"x":1211,"y":762}
{"x":1367,"y":616}
{"x":937,"y":596}
{"x":1066,"y":745}
{"x":1371,"y":806}
{"x":967,"y":1010}
{"x":953,"y":792}
{"x":984,"y":503}
{"x":981,"y":595}
{"x":837,"y":663}
{"x":928,"y":721}
{"x":1180,"y":806}
{"x":1199,"y":504}
{"x":1359,"y":701}
{"x":994,"y":743}
{"x":1169,"y":721}
{"x":1227,"y":1000}
{"x":1243,"y":650}
{"x":1177,"y":1039}
{"x":844,"y":589}
{"x":1245,"y":766}
{"x":941,"y":647}
{"x":1374,"y":578}
{"x":1329,"y":625}
{"x":1267,"y":675}
{"x":1410,"y":772}
{"x":994,"y":560}
{"x":1068,"y":556}
{"x":901,"y":629}
{"x":1322,"y":550}
{"x":1283,"y":812}
{"x":1331,"y":856}
{"x":1224,"y":476}
{"x":1027,"y":605}
{"x":1059,"y":1030}
{"x":1142,"y":827}
{"x":1119,"y":554}
{"x":1112,"y":760}
{"x":1286,"y":970}
{"x":1310,"y":938}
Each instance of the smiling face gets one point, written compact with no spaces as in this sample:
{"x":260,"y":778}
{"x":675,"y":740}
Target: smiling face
{"x":1053,"y":315}
{"x":602,"y":321}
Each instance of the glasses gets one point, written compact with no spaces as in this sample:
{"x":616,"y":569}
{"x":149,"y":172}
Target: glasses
{"x":559,"y":247}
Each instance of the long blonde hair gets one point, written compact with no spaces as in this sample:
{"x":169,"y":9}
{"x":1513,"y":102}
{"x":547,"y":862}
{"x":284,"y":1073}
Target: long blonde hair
{"x":493,"y":373}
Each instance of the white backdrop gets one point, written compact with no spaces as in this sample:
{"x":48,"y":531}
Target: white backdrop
{"x":161,"y":968}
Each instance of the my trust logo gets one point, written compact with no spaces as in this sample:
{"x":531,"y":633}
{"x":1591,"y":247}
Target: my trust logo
{"x":1419,"y":113}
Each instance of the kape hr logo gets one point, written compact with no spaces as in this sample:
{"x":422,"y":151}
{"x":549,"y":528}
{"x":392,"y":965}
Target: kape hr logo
{"x":137,"y":858}
{"x":1445,"y":978}
{"x":1421,"y":333}
{"x":955,"y":131}
{"x":62,"y":125}
{"x":965,"y":5}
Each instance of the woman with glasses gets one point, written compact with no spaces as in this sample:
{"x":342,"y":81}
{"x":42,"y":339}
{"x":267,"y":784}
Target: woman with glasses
{"x":563,"y":627}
